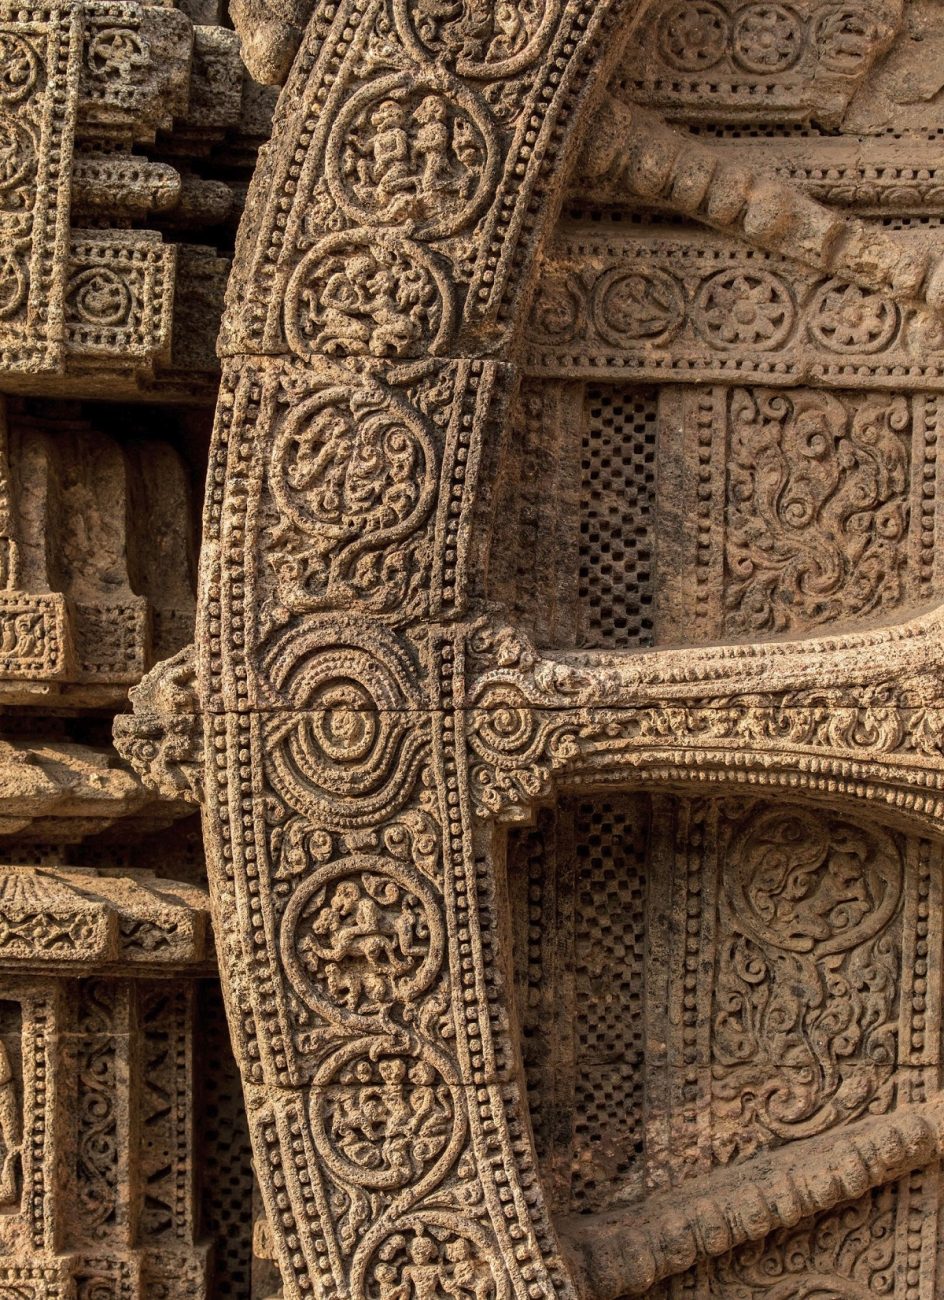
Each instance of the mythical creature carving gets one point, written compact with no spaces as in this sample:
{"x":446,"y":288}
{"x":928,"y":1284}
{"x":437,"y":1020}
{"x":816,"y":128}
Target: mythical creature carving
{"x":162,"y":738}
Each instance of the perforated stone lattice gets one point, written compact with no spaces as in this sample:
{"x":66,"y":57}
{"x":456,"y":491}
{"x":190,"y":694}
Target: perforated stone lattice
{"x":616,"y":528}
{"x":611,"y":838}
{"x":579,"y":889}
{"x":226,"y":1176}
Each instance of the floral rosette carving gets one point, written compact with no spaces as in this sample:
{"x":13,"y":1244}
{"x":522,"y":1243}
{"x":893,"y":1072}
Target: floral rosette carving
{"x":20,"y":68}
{"x":371,"y":350}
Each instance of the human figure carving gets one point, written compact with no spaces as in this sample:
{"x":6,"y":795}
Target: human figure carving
{"x":496,"y":741}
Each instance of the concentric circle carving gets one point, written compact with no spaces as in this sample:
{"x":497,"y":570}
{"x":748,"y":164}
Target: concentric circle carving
{"x":347,"y":748}
{"x":361,"y":935}
{"x":386,"y":1115}
{"x":505,"y":724}
{"x":414,"y":152}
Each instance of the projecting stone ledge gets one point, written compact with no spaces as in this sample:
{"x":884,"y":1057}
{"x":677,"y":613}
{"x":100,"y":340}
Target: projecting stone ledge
{"x":94,"y":919}
{"x":56,"y":792}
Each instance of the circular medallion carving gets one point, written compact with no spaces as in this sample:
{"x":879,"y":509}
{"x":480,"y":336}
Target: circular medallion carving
{"x":408,"y":152}
{"x":358,"y":295}
{"x":115,"y":52}
{"x":557,"y":311}
{"x":359,"y":935}
{"x":348,"y":466}
{"x":432,"y":1252}
{"x":99,"y":296}
{"x":846,"y":36}
{"x":805,"y":883}
{"x":385,"y":1115}
{"x":476,"y":39}
{"x":693,"y":35}
{"x":768,"y":38}
{"x":847,"y":319}
{"x":637,"y":305}
{"x":19,"y":68}
{"x":744,"y":309}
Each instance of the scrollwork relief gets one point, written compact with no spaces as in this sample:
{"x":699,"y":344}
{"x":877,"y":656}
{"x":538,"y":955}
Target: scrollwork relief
{"x":805,"y":1023}
{"x":355,"y":296}
{"x":353,"y":475}
{"x":366,"y":724}
{"x":475,"y":39}
{"x":817,"y":508}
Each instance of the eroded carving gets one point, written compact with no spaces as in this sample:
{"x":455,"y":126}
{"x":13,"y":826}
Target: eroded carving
{"x":728,"y":438}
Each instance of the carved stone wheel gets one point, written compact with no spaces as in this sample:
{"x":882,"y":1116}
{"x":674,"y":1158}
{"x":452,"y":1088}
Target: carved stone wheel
{"x":437,"y":672}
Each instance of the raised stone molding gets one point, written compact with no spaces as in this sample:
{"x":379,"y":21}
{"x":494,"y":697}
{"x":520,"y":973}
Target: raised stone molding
{"x":371,"y":722}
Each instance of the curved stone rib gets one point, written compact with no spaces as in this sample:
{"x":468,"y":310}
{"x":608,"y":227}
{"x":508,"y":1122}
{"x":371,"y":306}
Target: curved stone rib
{"x":386,"y":260}
{"x":625,"y":1252}
{"x":635,"y":153}
{"x":909,"y":653}
{"x":733,"y":715}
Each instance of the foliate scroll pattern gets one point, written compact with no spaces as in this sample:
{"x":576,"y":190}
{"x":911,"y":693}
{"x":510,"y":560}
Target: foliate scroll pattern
{"x":855,"y":1251}
{"x":362,"y":940}
{"x":11,"y":1104}
{"x":818,"y":504}
{"x":815,"y":509}
{"x":806,"y":1004}
{"x":352,"y":476}
{"x":399,"y":206}
{"x":97,"y":1171}
{"x":537,"y":721}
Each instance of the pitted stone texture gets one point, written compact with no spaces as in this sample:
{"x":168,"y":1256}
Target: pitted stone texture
{"x":564,"y":705}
